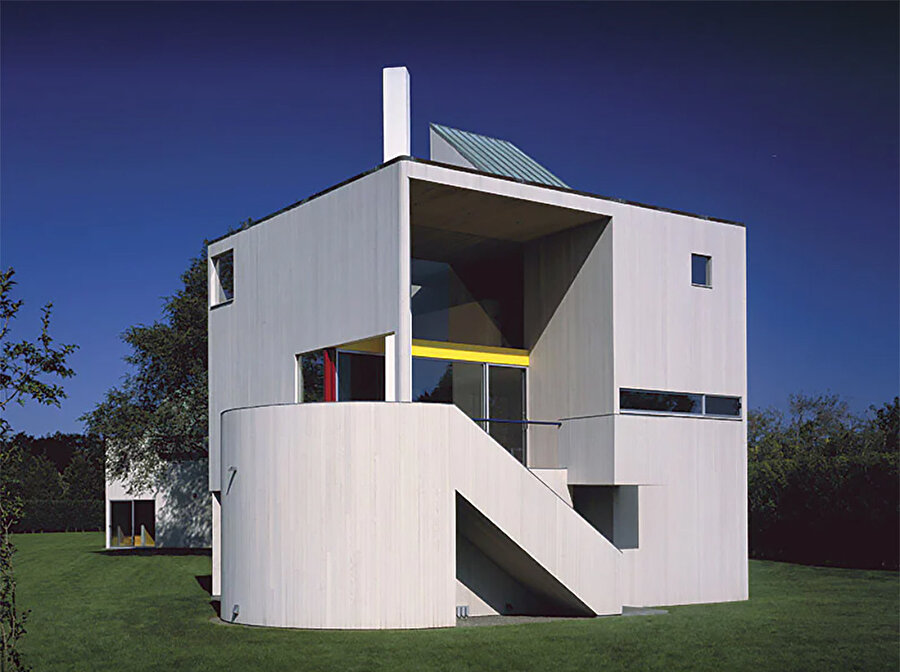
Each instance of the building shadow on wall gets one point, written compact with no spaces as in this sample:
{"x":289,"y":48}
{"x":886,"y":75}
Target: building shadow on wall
{"x":551,"y":265}
{"x":185,"y":521}
{"x":502,"y":575}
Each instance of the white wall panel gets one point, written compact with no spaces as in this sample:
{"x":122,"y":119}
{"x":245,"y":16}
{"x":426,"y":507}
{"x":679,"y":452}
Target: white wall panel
{"x":670,"y":335}
{"x":342,"y":515}
{"x":323,"y":273}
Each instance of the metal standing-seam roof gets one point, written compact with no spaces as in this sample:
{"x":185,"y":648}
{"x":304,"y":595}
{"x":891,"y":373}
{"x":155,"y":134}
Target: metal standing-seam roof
{"x":499,"y":157}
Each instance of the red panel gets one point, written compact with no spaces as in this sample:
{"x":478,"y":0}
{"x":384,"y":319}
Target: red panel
{"x":330,"y":376}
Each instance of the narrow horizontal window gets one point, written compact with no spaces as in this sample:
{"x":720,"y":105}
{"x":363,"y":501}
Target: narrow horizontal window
{"x":730,"y":406}
{"x":689,"y":403}
{"x":661,"y":402}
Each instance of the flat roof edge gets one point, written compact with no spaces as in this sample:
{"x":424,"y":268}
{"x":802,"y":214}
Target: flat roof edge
{"x":577,"y":192}
{"x":303,"y":201}
{"x":473,"y":171}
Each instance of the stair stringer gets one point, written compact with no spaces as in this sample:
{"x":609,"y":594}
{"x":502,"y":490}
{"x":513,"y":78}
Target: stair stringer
{"x":534,"y":517}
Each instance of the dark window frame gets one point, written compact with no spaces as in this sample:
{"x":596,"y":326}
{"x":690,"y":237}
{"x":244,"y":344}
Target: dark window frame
{"x":701,"y":412}
{"x":222,"y":285}
{"x":484,"y":414}
{"x":707,"y":270}
{"x":723,"y":398}
{"x":695,"y":398}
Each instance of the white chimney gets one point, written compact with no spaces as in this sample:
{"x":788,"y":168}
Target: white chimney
{"x":395,"y":108}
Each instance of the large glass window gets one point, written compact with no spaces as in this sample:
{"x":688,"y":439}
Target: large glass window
{"x":360,"y":376}
{"x":316,"y":376}
{"x":133,"y":523}
{"x":444,"y":382}
{"x":493,"y":395}
{"x":121,"y":524}
{"x":506,"y":401}
{"x":311,"y":376}
{"x":144,"y":522}
{"x":472,"y":300}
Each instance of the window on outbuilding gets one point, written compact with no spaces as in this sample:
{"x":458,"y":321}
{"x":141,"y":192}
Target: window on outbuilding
{"x":222,"y":282}
{"x":701,"y":270}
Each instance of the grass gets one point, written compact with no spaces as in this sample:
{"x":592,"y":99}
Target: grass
{"x":92,"y":611}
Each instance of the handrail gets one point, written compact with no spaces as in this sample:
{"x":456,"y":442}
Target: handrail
{"x":518,"y":422}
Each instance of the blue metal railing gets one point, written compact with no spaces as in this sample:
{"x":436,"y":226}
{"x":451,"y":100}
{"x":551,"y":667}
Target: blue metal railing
{"x":519,"y":422}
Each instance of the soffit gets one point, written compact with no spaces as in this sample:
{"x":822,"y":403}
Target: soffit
{"x":439,"y":209}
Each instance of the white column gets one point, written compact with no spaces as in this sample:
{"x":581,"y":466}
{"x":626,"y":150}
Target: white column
{"x":108,"y":518}
{"x":403,"y":339}
{"x":390,"y":368}
{"x":395,"y":111}
{"x":216,"y":543}
{"x":398,"y":345}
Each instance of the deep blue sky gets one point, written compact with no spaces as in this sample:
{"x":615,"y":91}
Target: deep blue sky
{"x":131,"y":132}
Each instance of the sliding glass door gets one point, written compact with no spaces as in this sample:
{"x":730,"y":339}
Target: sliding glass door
{"x":132,"y":523}
{"x":121,"y":524}
{"x":490,"y":394}
{"x":445,"y":382}
{"x":506,"y":408}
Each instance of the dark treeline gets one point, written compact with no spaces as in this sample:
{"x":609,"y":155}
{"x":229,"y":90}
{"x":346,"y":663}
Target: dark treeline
{"x":823,"y":483}
{"x":60,"y":480}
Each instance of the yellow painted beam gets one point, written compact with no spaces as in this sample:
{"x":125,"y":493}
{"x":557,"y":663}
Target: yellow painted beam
{"x":466,"y":352}
{"x":374,"y":344}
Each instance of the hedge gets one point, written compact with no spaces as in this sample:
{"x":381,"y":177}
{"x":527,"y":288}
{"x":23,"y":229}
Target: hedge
{"x":61,"y":515}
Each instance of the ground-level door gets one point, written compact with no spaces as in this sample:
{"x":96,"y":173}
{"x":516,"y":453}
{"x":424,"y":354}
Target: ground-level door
{"x":132,"y":523}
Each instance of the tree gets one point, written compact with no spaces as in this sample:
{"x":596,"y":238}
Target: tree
{"x":822,"y":483}
{"x":60,"y":448}
{"x":39,"y":479}
{"x":159,"y":413}
{"x":82,"y":478}
{"x":26,"y":370}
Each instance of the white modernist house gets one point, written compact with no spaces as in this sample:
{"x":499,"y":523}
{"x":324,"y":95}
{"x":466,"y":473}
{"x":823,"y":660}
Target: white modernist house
{"x":457,"y":385}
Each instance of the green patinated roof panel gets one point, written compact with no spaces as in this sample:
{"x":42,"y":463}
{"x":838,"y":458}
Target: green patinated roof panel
{"x":500,"y":157}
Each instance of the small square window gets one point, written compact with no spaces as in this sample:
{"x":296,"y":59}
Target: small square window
{"x":222,"y":280}
{"x":700,"y":270}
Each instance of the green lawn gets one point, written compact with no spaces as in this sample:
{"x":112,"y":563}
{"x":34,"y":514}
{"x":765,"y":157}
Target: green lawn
{"x":92,"y":611}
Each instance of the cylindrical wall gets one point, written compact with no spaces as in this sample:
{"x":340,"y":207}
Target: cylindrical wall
{"x":337,"y":516}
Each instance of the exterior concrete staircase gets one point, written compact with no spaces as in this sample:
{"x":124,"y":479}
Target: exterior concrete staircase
{"x":509,"y":522}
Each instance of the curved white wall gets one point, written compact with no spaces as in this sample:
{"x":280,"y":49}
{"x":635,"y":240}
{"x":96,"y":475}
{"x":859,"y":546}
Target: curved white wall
{"x":343,"y":515}
{"x":338,"y":516}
